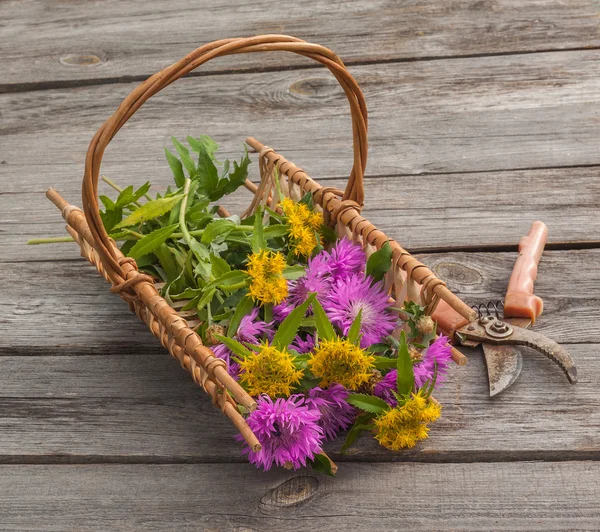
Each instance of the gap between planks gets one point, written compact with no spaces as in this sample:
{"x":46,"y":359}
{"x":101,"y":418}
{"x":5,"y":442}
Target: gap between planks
{"x":11,"y":88}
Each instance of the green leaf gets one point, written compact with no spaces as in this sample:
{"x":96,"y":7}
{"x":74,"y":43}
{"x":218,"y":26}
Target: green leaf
{"x":111,"y":218}
{"x":151,"y":241}
{"x":243,"y":308}
{"x":362,"y":423}
{"x":176,"y":168}
{"x":206,"y":298}
{"x":322,"y":464}
{"x":215,"y":229}
{"x":307,"y":200}
{"x":406,"y":377}
{"x":258,"y":238}
{"x":289,"y":327}
{"x":107,"y":202}
{"x":186,"y":158}
{"x":149,"y":211}
{"x":379,"y":262}
{"x":203,"y":143}
{"x":200,"y":250}
{"x":324,"y":327}
{"x":328,"y":234}
{"x":354,"y":332}
{"x":292,"y":273}
{"x":229,"y":279}
{"x":219,"y":266}
{"x":383,"y":363}
{"x":207,"y":176}
{"x":368,"y":403}
{"x":277,"y":230}
{"x":234,"y":345}
{"x":167,"y":261}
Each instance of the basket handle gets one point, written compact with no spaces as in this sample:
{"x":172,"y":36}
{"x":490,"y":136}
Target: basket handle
{"x":160,"y":80}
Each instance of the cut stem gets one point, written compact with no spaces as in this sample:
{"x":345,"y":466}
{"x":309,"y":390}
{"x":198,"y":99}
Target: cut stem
{"x":50,"y":240}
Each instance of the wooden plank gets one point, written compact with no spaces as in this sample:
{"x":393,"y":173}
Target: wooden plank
{"x":474,"y":114}
{"x":116,"y":39}
{"x":523,"y":496}
{"x":144,"y":408}
{"x":445,"y":211}
{"x":124,"y":408}
{"x":52,"y":307}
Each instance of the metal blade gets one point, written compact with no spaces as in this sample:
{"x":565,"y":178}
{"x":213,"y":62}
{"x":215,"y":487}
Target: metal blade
{"x":504,"y":364}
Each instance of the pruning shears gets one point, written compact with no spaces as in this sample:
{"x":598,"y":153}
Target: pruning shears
{"x":500,"y":337}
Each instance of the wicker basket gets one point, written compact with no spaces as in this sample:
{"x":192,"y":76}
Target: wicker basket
{"x":408,"y":279}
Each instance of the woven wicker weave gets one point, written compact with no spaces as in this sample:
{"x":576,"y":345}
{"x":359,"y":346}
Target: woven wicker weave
{"x":408,"y":279}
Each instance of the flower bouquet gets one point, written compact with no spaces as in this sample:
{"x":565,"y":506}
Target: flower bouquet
{"x":299,"y":318}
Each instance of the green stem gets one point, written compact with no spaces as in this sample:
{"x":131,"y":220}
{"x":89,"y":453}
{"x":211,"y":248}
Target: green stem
{"x":200,"y":232}
{"x":112,"y":184}
{"x":50,"y":240}
{"x":234,"y":287}
{"x":185,"y":234}
{"x":268,"y":312}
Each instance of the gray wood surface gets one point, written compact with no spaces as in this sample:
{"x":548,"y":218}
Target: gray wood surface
{"x":484,"y":116}
{"x":116,"y":40}
{"x":65,"y":306}
{"x":453,"y":497}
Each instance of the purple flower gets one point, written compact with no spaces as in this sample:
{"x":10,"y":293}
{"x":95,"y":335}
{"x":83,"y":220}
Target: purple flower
{"x":386,"y":387}
{"x":303,"y":346}
{"x":440,"y":353}
{"x":346,"y":258}
{"x":288,"y":431}
{"x":336,"y":413}
{"x":354,"y":294}
{"x":250,"y":330}
{"x":317,"y":279}
{"x":281,"y":311}
{"x":223,"y":352}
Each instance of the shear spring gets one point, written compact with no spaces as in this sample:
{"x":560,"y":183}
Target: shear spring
{"x":491,"y":308}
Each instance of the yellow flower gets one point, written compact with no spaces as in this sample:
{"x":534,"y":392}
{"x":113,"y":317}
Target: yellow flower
{"x":303,"y":226}
{"x":271,"y":371}
{"x":267,"y":284}
{"x":403,"y":426}
{"x":341,"y":361}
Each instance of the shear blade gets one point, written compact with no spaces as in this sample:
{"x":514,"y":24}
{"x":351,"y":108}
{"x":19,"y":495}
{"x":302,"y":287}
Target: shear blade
{"x":504,"y":364}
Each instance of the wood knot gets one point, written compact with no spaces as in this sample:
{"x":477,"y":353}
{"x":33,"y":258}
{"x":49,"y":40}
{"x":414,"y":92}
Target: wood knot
{"x":457,"y":274}
{"x":81,"y":60}
{"x":321,"y":87}
{"x":291,"y":492}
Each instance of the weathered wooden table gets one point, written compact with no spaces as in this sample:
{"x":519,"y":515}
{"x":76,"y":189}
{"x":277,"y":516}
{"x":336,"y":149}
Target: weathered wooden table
{"x":484,"y":116}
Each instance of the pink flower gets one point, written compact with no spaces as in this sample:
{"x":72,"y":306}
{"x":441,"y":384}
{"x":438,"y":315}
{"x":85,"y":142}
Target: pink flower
{"x":303,"y":346}
{"x":250,"y":330}
{"x":355,"y":294}
{"x":346,"y":258}
{"x":386,"y":388}
{"x":438,"y":353}
{"x":336,"y":413}
{"x":288,"y":430}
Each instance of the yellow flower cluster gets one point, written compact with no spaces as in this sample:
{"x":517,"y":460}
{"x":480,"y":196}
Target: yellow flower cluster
{"x":341,"y":361}
{"x":269,"y":371}
{"x":303,"y":226}
{"x":405,"y":425}
{"x":267,"y":284}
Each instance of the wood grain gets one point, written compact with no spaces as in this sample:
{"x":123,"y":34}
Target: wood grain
{"x":116,"y":40}
{"x":452,"y":497}
{"x":475,"y":114}
{"x":65,"y":306}
{"x":445,"y":211}
{"x":145,"y":409}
